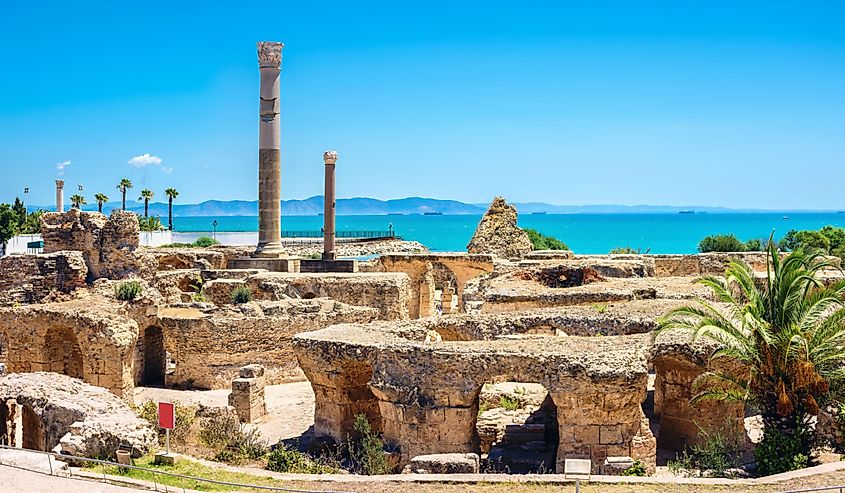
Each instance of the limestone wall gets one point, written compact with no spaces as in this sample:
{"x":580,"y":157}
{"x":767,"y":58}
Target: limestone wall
{"x":35,"y":278}
{"x":108,"y":245}
{"x":210,"y":345}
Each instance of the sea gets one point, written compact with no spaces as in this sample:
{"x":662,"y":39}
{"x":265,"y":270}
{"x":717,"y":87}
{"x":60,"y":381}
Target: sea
{"x":583,"y":233}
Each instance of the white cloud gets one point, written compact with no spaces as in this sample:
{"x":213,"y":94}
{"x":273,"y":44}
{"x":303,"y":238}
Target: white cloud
{"x":60,"y":167}
{"x":144,"y":160}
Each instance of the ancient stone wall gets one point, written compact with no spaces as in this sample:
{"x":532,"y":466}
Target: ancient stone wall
{"x":453,"y":268}
{"x":64,"y":414}
{"x":498,"y":234}
{"x":210,"y":345}
{"x":247,"y":397}
{"x":89,"y":341}
{"x":36,"y":278}
{"x":108,"y":245}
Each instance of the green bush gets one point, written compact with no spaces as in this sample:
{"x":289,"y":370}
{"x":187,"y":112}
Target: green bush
{"x":509,"y":403}
{"x":216,"y":431}
{"x":628,"y":251}
{"x":540,"y":241}
{"x":231,"y":441}
{"x":713,"y":456}
{"x":204,"y":242}
{"x":721,"y":243}
{"x":366,"y":449}
{"x":241,"y":294}
{"x":282,"y":459}
{"x":637,"y":469}
{"x":185,"y":417}
{"x":128,"y":290}
{"x":777,"y":453}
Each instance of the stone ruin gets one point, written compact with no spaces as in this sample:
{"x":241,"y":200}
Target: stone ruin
{"x":498,"y":234}
{"x":46,"y":411}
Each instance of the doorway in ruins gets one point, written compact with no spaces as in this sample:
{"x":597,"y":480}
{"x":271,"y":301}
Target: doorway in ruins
{"x":152,"y":357}
{"x":517,"y":428}
{"x":62,"y":353}
{"x":444,"y":280}
{"x":20,"y":427}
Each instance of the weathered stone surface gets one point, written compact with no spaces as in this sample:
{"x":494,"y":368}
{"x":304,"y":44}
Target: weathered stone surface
{"x":69,"y":416}
{"x":443,"y":464}
{"x":247,"y":397}
{"x":210,"y":344}
{"x":38,"y":278}
{"x":109,"y":246}
{"x":498,"y":234}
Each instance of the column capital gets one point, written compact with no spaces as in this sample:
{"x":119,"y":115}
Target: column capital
{"x":60,"y":183}
{"x":270,"y":54}
{"x":330,"y":157}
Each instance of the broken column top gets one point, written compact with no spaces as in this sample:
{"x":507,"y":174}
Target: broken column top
{"x":60,"y":183}
{"x":330,"y":157}
{"x":270,"y":54}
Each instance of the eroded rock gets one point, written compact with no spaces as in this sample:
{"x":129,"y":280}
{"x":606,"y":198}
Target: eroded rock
{"x":498,"y":234}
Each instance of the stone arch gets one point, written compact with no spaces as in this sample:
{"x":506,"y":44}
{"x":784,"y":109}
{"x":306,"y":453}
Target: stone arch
{"x":62,"y":353}
{"x":21,"y":427}
{"x":150,"y":357}
{"x":520,"y":440}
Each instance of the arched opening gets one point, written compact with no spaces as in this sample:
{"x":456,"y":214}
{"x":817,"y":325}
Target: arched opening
{"x":310,"y":295}
{"x":153,"y":357}
{"x":62,"y":353}
{"x":517,"y":428}
{"x":21,"y":427}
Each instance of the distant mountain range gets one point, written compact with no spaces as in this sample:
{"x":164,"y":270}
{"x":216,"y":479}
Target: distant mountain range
{"x":409,"y":205}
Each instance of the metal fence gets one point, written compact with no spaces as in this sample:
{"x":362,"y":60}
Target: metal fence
{"x":358,"y":233}
{"x":838,"y":489}
{"x":155,"y":473}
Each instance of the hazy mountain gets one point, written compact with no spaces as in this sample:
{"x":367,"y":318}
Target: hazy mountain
{"x":409,"y":205}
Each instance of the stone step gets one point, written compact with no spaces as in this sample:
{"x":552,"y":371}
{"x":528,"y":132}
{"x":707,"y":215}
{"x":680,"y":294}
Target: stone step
{"x":518,"y":461}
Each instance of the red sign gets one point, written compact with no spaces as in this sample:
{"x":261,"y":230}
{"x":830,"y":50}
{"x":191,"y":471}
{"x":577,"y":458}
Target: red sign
{"x":166,"y":415}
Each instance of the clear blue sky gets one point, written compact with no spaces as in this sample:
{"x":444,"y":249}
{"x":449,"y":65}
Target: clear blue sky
{"x":738,"y":104}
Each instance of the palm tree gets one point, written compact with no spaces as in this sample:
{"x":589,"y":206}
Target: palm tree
{"x":101,"y":199}
{"x":171,"y":194}
{"x":786,"y":332}
{"x":146,"y":196}
{"x":123,"y":186}
{"x":77,"y":201}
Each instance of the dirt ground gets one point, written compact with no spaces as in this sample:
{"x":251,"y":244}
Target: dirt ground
{"x":290,"y":406}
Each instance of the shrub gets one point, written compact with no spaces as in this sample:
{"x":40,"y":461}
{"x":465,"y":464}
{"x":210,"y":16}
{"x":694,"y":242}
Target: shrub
{"x":540,"y":241}
{"x":282,"y":459}
{"x":628,"y":251}
{"x":777,"y":452}
{"x":127,"y":290}
{"x":721,"y":243}
{"x":714,"y":456}
{"x":185,"y":417}
{"x":230,"y":440}
{"x":205,"y":241}
{"x":509,"y":403}
{"x":637,"y":469}
{"x":216,"y":431}
{"x":366,"y":449}
{"x":241,"y":294}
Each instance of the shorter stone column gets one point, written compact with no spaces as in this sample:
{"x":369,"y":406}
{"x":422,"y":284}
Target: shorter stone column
{"x":446,"y":298}
{"x":330,"y":158}
{"x":60,"y":196}
{"x":247,"y":395}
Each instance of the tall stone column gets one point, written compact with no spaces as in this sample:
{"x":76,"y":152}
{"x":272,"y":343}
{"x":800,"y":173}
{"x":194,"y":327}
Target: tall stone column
{"x":330,"y":158}
{"x":60,"y":195}
{"x":269,"y":152}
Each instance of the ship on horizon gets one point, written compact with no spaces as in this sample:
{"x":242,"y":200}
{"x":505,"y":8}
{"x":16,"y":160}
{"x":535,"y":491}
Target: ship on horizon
{"x":686,"y":211}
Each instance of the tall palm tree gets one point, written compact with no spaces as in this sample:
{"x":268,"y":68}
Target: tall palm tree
{"x":123,"y":186}
{"x":77,"y":201}
{"x":786,"y":332}
{"x":146,"y":196}
{"x":101,"y":199}
{"x":171,"y":194}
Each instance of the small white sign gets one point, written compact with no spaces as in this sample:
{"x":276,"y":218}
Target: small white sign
{"x":577,"y":468}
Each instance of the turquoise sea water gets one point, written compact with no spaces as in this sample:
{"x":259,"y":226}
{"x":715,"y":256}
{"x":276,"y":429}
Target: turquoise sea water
{"x":584,"y":233}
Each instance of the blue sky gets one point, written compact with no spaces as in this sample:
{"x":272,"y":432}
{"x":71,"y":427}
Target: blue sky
{"x":736,"y":104}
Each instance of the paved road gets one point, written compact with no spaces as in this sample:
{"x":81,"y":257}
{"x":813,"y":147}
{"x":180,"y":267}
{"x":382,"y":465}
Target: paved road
{"x":18,"y":480}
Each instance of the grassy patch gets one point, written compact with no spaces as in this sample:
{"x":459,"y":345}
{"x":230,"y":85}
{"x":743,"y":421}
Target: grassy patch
{"x":187,"y":467}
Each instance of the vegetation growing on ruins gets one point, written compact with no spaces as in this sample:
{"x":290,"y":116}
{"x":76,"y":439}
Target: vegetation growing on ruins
{"x":787,"y":335}
{"x":637,"y":469}
{"x":366,"y":449}
{"x":241,"y":294}
{"x":539,"y":241}
{"x":283,"y":459}
{"x":201,"y":242}
{"x":185,"y":417}
{"x":127,"y":290}
{"x":229,"y":440}
{"x":715,"y":456}
{"x":626,"y":250}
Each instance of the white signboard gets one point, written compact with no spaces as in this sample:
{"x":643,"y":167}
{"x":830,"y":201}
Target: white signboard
{"x":577,"y":468}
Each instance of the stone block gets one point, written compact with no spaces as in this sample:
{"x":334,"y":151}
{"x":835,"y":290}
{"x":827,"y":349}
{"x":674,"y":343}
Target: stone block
{"x":444,"y":464}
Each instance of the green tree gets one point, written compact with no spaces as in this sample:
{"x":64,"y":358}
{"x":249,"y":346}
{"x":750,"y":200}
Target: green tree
{"x":721,"y":243}
{"x":32,"y":225}
{"x":171,"y":195}
{"x":539,"y":241}
{"x":101,"y":199}
{"x":146,"y":196}
{"x":787,"y":335}
{"x":150,"y":223}
{"x":123,"y":186}
{"x":77,"y":201}
{"x":20,"y":210}
{"x":9,"y":225}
